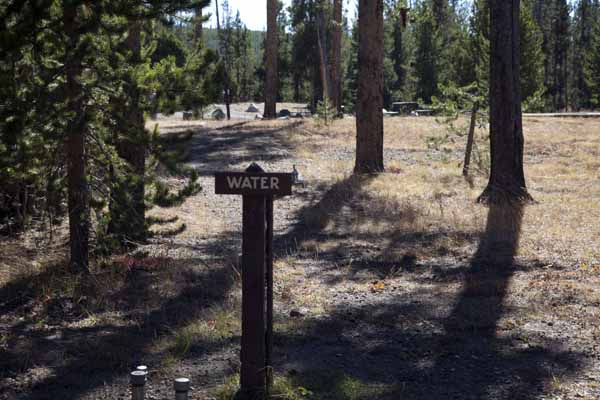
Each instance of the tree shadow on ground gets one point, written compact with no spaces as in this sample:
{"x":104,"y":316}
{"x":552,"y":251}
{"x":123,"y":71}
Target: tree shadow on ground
{"x":91,"y":350}
{"x":333,"y":220}
{"x":234,"y":146}
{"x":419,"y":344}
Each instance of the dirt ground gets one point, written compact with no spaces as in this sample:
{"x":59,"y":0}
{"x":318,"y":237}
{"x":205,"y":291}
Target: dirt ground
{"x":380,"y":292}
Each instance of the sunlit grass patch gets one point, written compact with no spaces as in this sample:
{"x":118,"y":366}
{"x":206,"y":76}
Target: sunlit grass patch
{"x":282,"y":389}
{"x":218,"y":326}
{"x":337,"y":385}
{"x":313,"y":384}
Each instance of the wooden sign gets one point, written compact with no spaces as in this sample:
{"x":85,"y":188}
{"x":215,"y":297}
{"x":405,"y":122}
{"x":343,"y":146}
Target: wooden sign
{"x":257,"y":189}
{"x":253,"y":183}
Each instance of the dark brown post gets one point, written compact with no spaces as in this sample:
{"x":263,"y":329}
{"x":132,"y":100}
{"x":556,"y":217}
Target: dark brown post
{"x":253,"y":376}
{"x":258,"y":190}
{"x":269,"y":334}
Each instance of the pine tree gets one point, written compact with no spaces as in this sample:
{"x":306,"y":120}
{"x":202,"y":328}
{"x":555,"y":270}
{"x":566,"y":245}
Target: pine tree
{"x":74,"y":25}
{"x":398,"y":53}
{"x":561,"y":29}
{"x":507,"y":180}
{"x":459,"y":60}
{"x":87,"y":117}
{"x":323,"y":10}
{"x":592,"y":65}
{"x":198,"y":21}
{"x":440,"y":12}
{"x":30,"y":143}
{"x":532,"y":56}
{"x":351,"y":75}
{"x":586,"y":14}
{"x":336,"y":56}
{"x":305,"y":52}
{"x":426,"y":60}
{"x":369,"y":110}
{"x":271,"y":82}
{"x":284,"y":62}
{"x":553,"y":19}
{"x":127,"y":206}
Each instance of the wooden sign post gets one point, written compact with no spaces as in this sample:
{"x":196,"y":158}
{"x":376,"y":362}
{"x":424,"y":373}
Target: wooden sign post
{"x":258,"y":189}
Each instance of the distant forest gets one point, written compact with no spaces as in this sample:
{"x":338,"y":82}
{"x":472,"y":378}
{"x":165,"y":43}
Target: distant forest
{"x":434,"y":51}
{"x":211,"y":39}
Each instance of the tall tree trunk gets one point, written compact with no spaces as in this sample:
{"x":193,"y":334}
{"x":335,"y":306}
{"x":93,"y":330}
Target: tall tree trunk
{"x":470,"y":142}
{"x":272,"y":46}
{"x":127,"y":209}
{"x":324,"y":53}
{"x":336,"y":55}
{"x":78,"y":196}
{"x":507,"y":179}
{"x":440,"y":13}
{"x":316,"y":88}
{"x":297,"y":84}
{"x":369,"y":105}
{"x":198,"y":27}
{"x":226,"y":90}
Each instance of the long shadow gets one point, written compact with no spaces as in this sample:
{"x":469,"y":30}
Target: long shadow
{"x":474,"y":357}
{"x":414,"y":345}
{"x":329,"y":218}
{"x":323,"y":205}
{"x":86,"y":358}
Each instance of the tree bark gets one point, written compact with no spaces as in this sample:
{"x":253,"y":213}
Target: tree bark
{"x":272,"y":46}
{"x":78,"y":190}
{"x":369,"y":105}
{"x":470,"y":141}
{"x":198,"y":27}
{"x":226,"y":90}
{"x":326,"y":78}
{"x":507,"y":179}
{"x":336,"y":55}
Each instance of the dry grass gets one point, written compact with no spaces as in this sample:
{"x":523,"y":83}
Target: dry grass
{"x":562,"y":165}
{"x":424,"y":193}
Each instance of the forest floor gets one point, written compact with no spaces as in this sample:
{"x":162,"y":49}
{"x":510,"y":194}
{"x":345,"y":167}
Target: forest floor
{"x":378,"y":293}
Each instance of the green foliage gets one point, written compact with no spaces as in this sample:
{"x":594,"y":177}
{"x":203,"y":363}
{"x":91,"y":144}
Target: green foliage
{"x":398,"y":53}
{"x":585,"y":48}
{"x":168,"y":45}
{"x":535,"y":103}
{"x":351,"y":74}
{"x":200,"y":85}
{"x":167,"y":154}
{"x":592,"y":66}
{"x":304,"y":52}
{"x":451,"y":105}
{"x":426,"y":61}
{"x":312,"y":384}
{"x":211,"y":40}
{"x":326,"y":112}
{"x":532,"y":58}
{"x":553,"y":18}
{"x":116,"y":86}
